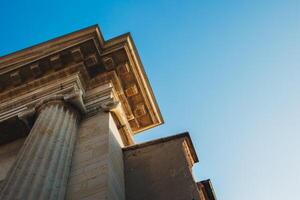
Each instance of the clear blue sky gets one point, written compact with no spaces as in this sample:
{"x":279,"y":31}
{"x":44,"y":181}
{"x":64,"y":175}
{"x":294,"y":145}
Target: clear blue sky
{"x":226,"y":71}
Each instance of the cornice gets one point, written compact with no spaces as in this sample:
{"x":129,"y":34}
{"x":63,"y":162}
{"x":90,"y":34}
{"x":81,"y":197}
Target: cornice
{"x":95,"y":60}
{"x":21,"y":57}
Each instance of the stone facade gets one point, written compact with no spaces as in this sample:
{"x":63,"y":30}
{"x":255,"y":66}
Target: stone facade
{"x":69,"y":110}
{"x":97,"y":171}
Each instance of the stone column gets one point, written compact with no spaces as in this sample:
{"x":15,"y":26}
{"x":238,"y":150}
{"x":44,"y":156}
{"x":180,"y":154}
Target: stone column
{"x":43,"y":164}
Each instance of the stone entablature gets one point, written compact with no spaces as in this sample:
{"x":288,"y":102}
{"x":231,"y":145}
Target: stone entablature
{"x":105,"y":73}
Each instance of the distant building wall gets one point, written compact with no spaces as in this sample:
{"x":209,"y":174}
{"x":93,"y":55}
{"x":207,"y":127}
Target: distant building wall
{"x":159,"y":171}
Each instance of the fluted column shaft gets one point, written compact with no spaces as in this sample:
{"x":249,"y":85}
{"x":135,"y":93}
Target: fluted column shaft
{"x":43,"y":164}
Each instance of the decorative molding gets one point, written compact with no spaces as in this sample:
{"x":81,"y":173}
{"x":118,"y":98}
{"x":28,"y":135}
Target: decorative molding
{"x":42,"y":70}
{"x":26,"y":117}
{"x":55,"y":62}
{"x":16,"y":78}
{"x":57,"y":87}
{"x":77,"y":55}
{"x":71,"y":90}
{"x":91,"y":61}
{"x":76,"y":99}
{"x":140,"y":110}
{"x":131,"y":91}
{"x":123,"y":69}
{"x":110,"y":106}
{"x":108,"y":63}
{"x":36,"y":70}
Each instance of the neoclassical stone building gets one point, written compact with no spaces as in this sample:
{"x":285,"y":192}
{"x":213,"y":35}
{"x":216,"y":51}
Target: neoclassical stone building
{"x":69,"y":109}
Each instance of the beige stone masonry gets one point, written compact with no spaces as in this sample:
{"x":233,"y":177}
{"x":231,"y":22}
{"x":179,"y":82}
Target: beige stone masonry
{"x":97,"y":168}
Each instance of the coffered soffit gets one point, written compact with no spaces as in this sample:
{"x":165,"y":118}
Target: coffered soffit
{"x":96,"y":62}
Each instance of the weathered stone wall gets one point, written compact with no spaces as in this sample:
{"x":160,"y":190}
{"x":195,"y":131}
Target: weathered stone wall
{"x":159,"y":171}
{"x":8,"y":155}
{"x":97,"y":167}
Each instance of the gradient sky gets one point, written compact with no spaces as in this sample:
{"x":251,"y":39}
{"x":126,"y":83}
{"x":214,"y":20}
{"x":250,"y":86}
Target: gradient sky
{"x":226,"y":71}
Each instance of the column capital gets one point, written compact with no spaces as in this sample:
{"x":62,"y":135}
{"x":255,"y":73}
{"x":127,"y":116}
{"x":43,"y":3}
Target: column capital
{"x":73,"y":99}
{"x":26,"y":117}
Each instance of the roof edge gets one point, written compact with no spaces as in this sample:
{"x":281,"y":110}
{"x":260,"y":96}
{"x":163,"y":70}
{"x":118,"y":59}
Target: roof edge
{"x":185,"y":135}
{"x":88,"y":29}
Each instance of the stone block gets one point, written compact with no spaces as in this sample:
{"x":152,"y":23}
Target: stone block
{"x":97,"y":167}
